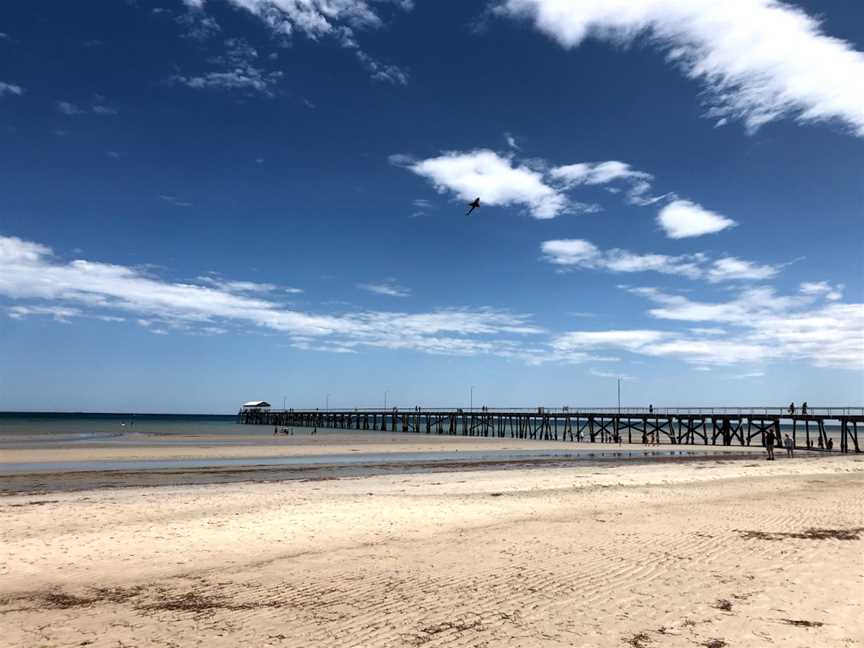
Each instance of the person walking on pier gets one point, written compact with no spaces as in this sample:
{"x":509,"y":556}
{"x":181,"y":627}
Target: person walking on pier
{"x":804,"y":408}
{"x":769,"y":446}
{"x":792,"y":407}
{"x":790,"y":447}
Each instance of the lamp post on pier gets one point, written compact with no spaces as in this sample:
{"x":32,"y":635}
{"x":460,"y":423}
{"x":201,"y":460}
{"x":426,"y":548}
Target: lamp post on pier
{"x":327,"y":405}
{"x":471,"y":400}
{"x":385,"y":399}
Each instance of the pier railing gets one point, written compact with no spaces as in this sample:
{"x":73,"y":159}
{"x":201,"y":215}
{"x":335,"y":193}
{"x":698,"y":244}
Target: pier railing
{"x":827,"y":412}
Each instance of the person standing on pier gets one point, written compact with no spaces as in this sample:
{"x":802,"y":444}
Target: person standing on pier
{"x":804,"y":408}
{"x":792,"y":407}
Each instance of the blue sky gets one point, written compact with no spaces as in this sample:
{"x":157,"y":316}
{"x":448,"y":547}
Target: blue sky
{"x":211,"y":202}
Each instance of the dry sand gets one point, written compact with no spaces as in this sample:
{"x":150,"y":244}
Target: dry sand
{"x":703,"y":553}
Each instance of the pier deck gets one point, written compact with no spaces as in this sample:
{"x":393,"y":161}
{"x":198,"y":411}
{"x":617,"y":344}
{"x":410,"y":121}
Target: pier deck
{"x":726,"y":426}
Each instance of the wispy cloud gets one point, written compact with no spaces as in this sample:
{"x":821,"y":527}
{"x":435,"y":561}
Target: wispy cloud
{"x":173,"y":200}
{"x":97,"y":107}
{"x":340,"y":20}
{"x":238,"y":68}
{"x":579,"y":253}
{"x":511,"y":141}
{"x":760,"y":60}
{"x":600,"y":373}
{"x":35,"y":278}
{"x":767,"y":325}
{"x":603,"y":173}
{"x":10,"y":89}
{"x":832,"y":293}
{"x":233,"y":286}
{"x":756,"y":326}
{"x":389,"y":288}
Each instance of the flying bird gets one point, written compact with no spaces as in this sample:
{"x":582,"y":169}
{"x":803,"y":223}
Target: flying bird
{"x":473,"y":205}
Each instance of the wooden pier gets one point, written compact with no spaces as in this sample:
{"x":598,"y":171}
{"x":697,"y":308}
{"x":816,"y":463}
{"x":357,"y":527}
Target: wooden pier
{"x":680,"y":426}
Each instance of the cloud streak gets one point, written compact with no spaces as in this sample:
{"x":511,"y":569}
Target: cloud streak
{"x":757,"y":325}
{"x":40,"y":284}
{"x":387,"y":288}
{"x":582,"y":254}
{"x":10,"y":89}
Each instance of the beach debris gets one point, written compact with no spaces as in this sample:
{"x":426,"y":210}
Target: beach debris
{"x":63,"y":600}
{"x":803,"y":623}
{"x":723,"y":604}
{"x":639,"y":640}
{"x":715,"y":643}
{"x":853,"y":533}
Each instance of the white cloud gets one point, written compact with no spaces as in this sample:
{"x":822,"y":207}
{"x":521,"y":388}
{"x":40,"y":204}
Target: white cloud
{"x":629,"y":340}
{"x":245,"y":286}
{"x":246,"y":78}
{"x":97,"y":108}
{"x":760,"y":60}
{"x":59,"y":313}
{"x":832,"y":293}
{"x":757,"y":325}
{"x":511,"y":141}
{"x":173,"y":200}
{"x":684,"y":219}
{"x":747,"y":375}
{"x":732,"y":268}
{"x":68,"y":108}
{"x":502,"y":179}
{"x":584,"y":254}
{"x":317,"y":19}
{"x":239,"y":70}
{"x":494,"y":178}
{"x":10,"y":89}
{"x":767,"y":325}
{"x":593,"y":173}
{"x":33,"y":277}
{"x":610,"y":374}
{"x":379,"y":71}
{"x":601,"y":173}
{"x":389,"y":288}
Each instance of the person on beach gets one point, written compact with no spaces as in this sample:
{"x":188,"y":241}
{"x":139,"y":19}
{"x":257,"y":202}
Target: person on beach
{"x":790,"y":447}
{"x":769,"y":446}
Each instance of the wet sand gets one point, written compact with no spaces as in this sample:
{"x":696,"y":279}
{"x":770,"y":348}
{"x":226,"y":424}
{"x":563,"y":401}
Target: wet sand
{"x":142,"y":459}
{"x":670,"y":553}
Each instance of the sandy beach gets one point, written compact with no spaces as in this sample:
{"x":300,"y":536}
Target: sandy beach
{"x":709,"y":552}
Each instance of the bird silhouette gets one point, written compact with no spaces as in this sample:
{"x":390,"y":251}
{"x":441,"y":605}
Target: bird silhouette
{"x":473,"y":205}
